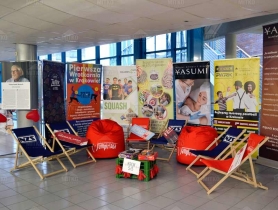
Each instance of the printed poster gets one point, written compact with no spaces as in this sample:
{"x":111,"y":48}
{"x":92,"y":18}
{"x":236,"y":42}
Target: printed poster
{"x":192,"y":92}
{"x":26,"y":74}
{"x":120,"y":94}
{"x":16,"y":95}
{"x":155,"y":86}
{"x":83,"y":95}
{"x":236,"y":94}
{"x":269,"y":111}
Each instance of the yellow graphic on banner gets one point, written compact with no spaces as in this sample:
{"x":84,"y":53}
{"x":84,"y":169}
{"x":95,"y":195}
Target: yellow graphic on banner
{"x":155,"y":86}
{"x":241,"y":74}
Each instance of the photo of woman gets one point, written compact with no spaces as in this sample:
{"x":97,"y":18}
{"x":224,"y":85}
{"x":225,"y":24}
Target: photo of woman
{"x":165,"y":99}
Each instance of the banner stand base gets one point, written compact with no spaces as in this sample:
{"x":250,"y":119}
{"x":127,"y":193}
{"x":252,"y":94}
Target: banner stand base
{"x":267,"y":162}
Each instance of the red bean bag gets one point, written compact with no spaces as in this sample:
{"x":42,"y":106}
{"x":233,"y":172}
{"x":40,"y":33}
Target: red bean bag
{"x":194,"y":138}
{"x":107,"y":138}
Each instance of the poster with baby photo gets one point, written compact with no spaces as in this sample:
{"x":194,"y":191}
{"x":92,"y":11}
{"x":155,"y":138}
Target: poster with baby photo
{"x":192,"y":92}
{"x":120,"y":96}
{"x":155,"y":86}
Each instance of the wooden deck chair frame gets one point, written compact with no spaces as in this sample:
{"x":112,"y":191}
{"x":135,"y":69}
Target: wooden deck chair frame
{"x":236,"y":173}
{"x":162,"y":146}
{"x":73,"y":150}
{"x":129,"y":143}
{"x":220,"y":156}
{"x":33,"y":162}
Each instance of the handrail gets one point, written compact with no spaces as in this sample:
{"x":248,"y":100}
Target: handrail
{"x":212,"y":49}
{"x":221,"y":54}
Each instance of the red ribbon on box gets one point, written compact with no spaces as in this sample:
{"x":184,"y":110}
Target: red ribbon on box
{"x":126,"y":175}
{"x":141,"y":175}
{"x":118,"y":169}
{"x":156,"y":169}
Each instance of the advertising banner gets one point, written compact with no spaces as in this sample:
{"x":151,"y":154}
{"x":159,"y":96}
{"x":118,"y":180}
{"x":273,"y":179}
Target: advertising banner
{"x":53,"y":92}
{"x":237,"y":94}
{"x":192,"y":92}
{"x":269,"y":111}
{"x":120,"y":94}
{"x":155,"y":85}
{"x":83,"y":95}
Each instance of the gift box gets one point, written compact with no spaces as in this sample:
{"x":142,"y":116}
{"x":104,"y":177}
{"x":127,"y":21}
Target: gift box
{"x":151,"y":157}
{"x":130,"y":154}
{"x":148,"y":170}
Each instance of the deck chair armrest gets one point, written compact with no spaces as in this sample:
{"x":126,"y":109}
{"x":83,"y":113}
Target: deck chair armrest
{"x":205,"y":157}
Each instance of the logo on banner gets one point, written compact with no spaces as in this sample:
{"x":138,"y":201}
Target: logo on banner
{"x":185,"y":151}
{"x":229,"y":138}
{"x":176,"y":128}
{"x":106,"y":145}
{"x":27,"y":139}
{"x":270,"y":30}
{"x":55,"y":82}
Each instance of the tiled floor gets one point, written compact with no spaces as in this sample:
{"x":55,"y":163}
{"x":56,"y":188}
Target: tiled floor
{"x":94,"y":186}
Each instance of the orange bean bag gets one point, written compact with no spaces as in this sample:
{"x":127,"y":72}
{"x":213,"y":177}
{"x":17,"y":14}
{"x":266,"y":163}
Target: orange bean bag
{"x":194,"y":138}
{"x":107,"y":138}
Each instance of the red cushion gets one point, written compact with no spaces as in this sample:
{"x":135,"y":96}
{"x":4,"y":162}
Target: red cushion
{"x":107,"y":137}
{"x":194,"y":138}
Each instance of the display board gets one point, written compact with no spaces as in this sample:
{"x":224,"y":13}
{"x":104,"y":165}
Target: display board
{"x":21,"y":85}
{"x":83,"y":95}
{"x":120,"y":94}
{"x":192,"y":92}
{"x":236,"y":94}
{"x":155,"y":86}
{"x":269,"y":115}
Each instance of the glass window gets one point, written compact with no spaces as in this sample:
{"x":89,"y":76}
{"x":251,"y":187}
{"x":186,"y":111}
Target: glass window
{"x":159,"y":42}
{"x":71,"y":56}
{"x":43,"y":57}
{"x":181,"y":39}
{"x":108,"y":62}
{"x":181,"y":55}
{"x":150,"y":44}
{"x":166,"y":54}
{"x":57,"y":57}
{"x":150,"y":55}
{"x":88,"y":53}
{"x":108,"y":50}
{"x":127,"y":47}
{"x":91,"y":62}
{"x":127,"y":60}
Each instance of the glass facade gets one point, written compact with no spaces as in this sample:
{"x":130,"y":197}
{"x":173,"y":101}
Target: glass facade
{"x":43,"y":57}
{"x":71,"y":56}
{"x":88,"y":53}
{"x":57,"y":57}
{"x":126,"y":52}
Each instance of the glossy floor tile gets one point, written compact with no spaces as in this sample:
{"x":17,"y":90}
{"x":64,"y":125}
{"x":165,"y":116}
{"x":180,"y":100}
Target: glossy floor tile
{"x":95,"y":186}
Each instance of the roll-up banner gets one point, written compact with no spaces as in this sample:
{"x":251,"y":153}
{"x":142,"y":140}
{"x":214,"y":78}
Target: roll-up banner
{"x":155,"y":86}
{"x":237,"y":94}
{"x":269,"y":111}
{"x":192,"y":92}
{"x":53,"y":92}
{"x":83,"y":95}
{"x":120,"y":94}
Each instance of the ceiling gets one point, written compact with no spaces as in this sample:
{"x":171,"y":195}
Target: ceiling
{"x":61,"y":25}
